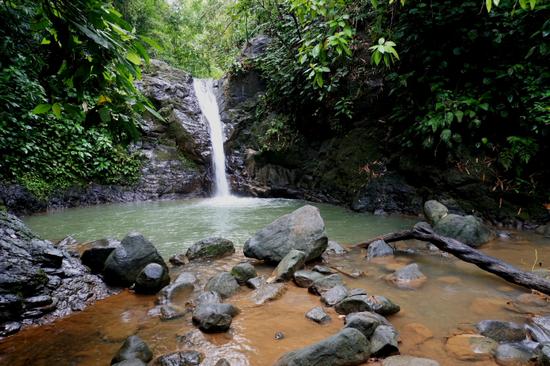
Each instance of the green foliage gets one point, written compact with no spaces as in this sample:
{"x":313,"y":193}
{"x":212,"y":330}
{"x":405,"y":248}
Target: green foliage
{"x":67,"y":96}
{"x":456,"y":82}
{"x":197,"y":36}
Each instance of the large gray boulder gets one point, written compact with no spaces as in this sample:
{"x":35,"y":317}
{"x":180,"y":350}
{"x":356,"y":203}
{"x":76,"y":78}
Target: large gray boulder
{"x":210,"y":248}
{"x":125,"y":263}
{"x":346,"y":348}
{"x":466,"y":229}
{"x":302,"y":230}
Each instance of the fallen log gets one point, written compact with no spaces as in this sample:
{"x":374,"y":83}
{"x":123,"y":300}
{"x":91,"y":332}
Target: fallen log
{"x":470,"y":255}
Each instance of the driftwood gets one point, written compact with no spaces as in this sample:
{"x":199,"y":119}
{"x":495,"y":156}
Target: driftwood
{"x":470,"y":255}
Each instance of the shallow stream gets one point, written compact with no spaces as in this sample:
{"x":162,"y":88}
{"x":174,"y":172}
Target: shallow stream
{"x":455,"y":296}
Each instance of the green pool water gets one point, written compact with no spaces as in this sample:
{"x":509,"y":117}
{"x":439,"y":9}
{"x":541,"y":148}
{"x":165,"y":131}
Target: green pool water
{"x":174,"y":225}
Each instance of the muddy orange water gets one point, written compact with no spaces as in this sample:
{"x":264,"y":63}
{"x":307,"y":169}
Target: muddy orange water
{"x":455,"y":296}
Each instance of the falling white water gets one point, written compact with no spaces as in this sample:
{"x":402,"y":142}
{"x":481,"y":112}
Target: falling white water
{"x":204,"y":90}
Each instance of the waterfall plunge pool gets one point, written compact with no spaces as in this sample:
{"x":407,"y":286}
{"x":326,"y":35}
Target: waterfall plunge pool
{"x":455,"y":296}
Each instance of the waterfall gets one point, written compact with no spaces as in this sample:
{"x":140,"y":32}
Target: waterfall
{"x":204,"y":90}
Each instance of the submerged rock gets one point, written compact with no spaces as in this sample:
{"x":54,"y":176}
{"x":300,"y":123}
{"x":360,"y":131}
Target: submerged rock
{"x":151,"y":279}
{"x":214,"y":318}
{"x":185,"y":358}
{"x":286,"y":268}
{"x":243,"y":272}
{"x":318,"y":315}
{"x":384,"y":341}
{"x":402,"y":360}
{"x":304,"y":278}
{"x":471,"y":347}
{"x":379,"y":248}
{"x":325,"y":283}
{"x":502,"y":331}
{"x":302,"y":230}
{"x":407,"y":277}
{"x":346,"y":348}
{"x":126,"y":261}
{"x":133,"y":348}
{"x":210,"y":248}
{"x":223,"y":283}
{"x":268,"y":292}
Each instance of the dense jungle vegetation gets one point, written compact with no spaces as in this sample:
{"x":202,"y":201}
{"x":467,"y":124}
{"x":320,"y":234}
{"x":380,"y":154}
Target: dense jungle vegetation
{"x":454,"y":82}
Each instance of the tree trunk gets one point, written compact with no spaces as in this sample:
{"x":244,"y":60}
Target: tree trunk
{"x":470,"y":255}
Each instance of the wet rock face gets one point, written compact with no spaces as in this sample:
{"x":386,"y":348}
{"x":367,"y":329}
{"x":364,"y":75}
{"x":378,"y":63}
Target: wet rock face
{"x":125,"y":263}
{"x":389,"y":193}
{"x":346,"y":348}
{"x":303,"y":230}
{"x":39,"y":282}
{"x":175,"y":152}
{"x":210,"y":248}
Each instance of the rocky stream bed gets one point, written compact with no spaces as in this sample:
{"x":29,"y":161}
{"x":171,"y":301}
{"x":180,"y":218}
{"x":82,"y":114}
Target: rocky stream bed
{"x":289,"y":296}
